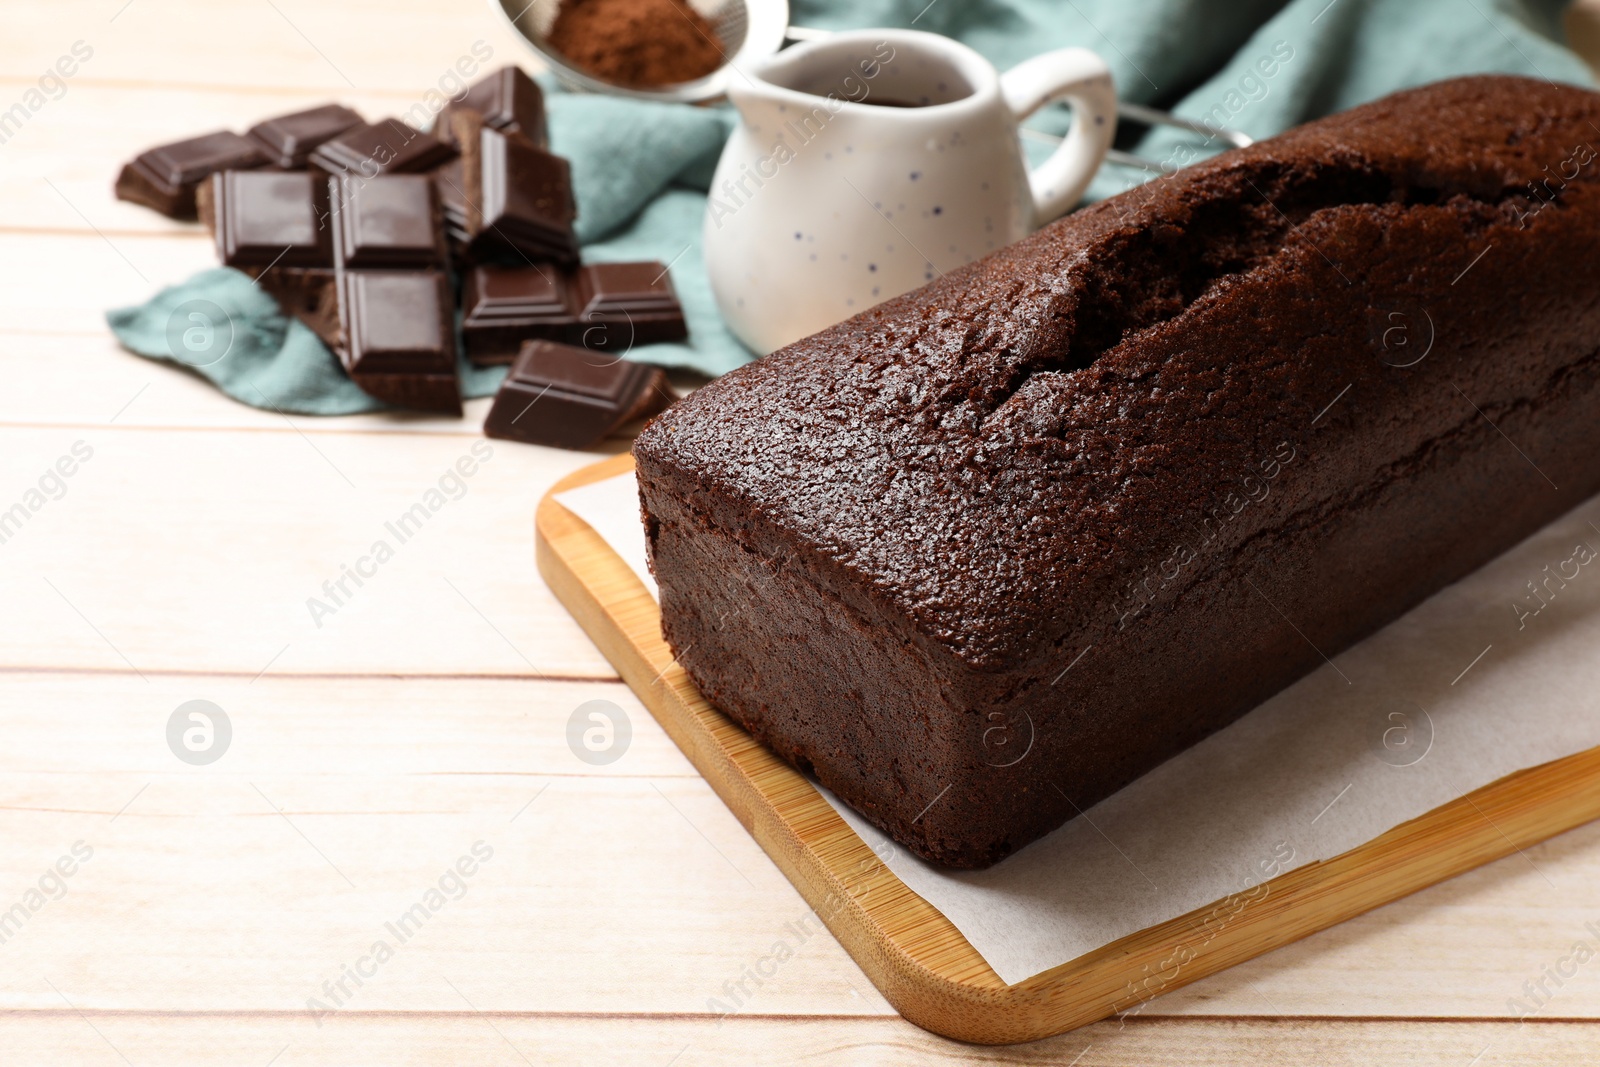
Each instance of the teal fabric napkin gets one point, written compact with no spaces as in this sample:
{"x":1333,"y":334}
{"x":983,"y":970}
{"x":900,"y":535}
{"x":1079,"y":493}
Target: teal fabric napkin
{"x":640,"y":169}
{"x":224,"y":327}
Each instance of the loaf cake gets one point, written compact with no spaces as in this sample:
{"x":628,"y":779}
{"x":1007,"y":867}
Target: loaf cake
{"x":983,"y":554}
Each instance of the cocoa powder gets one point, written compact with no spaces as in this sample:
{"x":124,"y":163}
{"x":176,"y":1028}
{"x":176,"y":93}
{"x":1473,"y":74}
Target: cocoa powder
{"x":640,"y":43}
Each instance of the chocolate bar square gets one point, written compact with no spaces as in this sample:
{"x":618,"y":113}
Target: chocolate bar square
{"x":502,"y":307}
{"x":620,"y":305}
{"x":569,"y":397}
{"x":527,"y":201}
{"x":509,"y":101}
{"x":517,"y":199}
{"x":398,"y":337}
{"x":387,"y":146}
{"x":165,"y":178}
{"x":290,"y":139}
{"x":260,"y":218}
{"x":396,"y":322}
{"x":388,"y":221}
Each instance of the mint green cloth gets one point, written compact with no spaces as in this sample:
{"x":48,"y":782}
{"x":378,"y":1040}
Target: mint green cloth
{"x":223,"y":326}
{"x":640,"y":169}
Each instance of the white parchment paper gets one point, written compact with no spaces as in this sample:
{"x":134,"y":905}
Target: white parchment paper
{"x":1496,"y":673}
{"x":611,"y":507}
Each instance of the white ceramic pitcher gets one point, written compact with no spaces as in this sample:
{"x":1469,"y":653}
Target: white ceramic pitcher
{"x":870,"y":162}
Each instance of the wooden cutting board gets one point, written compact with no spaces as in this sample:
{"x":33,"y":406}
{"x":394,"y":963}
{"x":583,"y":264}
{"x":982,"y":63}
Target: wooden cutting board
{"x":915,"y":956}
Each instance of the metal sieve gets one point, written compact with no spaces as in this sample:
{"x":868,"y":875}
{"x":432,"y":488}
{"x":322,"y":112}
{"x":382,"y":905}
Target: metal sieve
{"x":749,"y":30}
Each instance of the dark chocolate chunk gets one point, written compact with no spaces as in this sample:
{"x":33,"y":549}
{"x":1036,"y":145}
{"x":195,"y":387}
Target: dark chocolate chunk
{"x":309,"y":294}
{"x":518,"y":198}
{"x":450,"y":183}
{"x":458,"y":181}
{"x":165,"y":178}
{"x":620,"y":305}
{"x":387,"y":146}
{"x":438,"y":393}
{"x":260,"y":218}
{"x":388,"y":221}
{"x":290,"y":139}
{"x":527,"y":199}
{"x":504,"y":306}
{"x":603,"y":306}
{"x":571,"y":397}
{"x":509,"y":101}
{"x":398,"y":337}
{"x":396,"y":322}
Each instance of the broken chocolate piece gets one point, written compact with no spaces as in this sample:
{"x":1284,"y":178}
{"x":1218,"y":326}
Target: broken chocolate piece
{"x":438,"y":393}
{"x":261,"y":217}
{"x":275,"y":226}
{"x":502,"y":307}
{"x":396,"y":322}
{"x":309,"y":294}
{"x":290,"y":139}
{"x":398,"y":337}
{"x":388,"y":221}
{"x":509,"y":101}
{"x":603,"y":306}
{"x":387,"y":146}
{"x":165,"y":178}
{"x":620,"y":305}
{"x":518,"y":198}
{"x":527,"y":209}
{"x":448,"y":183}
{"x":572,"y":398}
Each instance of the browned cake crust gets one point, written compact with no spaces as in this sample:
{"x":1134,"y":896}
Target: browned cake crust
{"x":983,"y":554}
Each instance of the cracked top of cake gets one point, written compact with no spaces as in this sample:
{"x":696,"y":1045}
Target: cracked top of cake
{"x":1037,"y":448}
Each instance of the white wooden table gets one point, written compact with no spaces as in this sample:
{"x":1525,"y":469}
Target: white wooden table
{"x":429,"y":713}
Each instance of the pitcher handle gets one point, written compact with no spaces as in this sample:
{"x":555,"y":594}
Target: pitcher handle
{"x":1081,"y":78}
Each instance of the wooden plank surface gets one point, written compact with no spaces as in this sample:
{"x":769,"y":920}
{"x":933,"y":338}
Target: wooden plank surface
{"x":466,"y":1039}
{"x":412,"y":724}
{"x":226,"y":538}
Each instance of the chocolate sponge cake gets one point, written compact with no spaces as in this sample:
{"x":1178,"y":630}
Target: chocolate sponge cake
{"x":983,"y":554}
